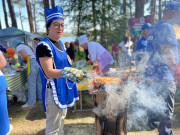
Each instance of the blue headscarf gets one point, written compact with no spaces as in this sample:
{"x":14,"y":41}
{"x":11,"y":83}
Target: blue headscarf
{"x":14,"y":42}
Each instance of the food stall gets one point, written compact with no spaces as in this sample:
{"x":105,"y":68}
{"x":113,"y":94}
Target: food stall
{"x":16,"y":78}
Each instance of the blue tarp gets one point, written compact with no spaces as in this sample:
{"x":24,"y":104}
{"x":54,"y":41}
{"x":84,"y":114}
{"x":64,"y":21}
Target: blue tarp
{"x":9,"y":33}
{"x":12,"y":31}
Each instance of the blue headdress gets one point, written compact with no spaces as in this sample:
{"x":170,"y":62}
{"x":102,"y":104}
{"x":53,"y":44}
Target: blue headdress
{"x":54,"y":13}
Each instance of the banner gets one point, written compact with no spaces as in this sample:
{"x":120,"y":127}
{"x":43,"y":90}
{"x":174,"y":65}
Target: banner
{"x":135,"y":25}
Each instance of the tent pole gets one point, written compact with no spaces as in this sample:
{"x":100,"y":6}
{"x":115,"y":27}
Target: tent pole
{"x":26,"y":40}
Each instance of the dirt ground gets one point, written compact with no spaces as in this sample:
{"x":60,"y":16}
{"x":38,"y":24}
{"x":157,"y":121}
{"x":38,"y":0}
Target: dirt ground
{"x":32,"y":121}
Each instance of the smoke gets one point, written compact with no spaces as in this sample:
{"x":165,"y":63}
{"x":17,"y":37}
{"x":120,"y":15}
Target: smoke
{"x":114,"y":103}
{"x":143,"y":101}
{"x":142,"y":64}
{"x":136,"y":98}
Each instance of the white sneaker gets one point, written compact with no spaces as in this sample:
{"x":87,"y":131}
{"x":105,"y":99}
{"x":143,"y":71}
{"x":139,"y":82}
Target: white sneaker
{"x":26,"y":105}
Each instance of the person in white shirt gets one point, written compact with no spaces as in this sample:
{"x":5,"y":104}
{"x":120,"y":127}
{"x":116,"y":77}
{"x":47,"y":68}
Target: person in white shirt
{"x":34,"y":82}
{"x":126,"y":47}
{"x":97,"y":53}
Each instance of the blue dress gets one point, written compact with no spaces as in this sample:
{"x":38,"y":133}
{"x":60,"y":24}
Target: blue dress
{"x":4,"y":119}
{"x":64,"y":91}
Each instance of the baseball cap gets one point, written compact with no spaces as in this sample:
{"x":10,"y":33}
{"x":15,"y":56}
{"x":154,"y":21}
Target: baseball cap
{"x":146,"y":26}
{"x":11,"y":52}
{"x":174,"y":5}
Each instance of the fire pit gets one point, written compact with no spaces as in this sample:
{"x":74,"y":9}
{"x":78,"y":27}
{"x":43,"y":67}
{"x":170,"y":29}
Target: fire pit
{"x":107,"y":123}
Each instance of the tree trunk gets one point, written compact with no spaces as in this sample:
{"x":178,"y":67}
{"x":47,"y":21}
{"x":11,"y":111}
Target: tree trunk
{"x":94,"y":20}
{"x":0,"y":25}
{"x":28,"y":5}
{"x":34,"y":17}
{"x":160,"y":9}
{"x":103,"y":24}
{"x":130,"y":8}
{"x":139,"y":8}
{"x":5,"y":13}
{"x":12,"y":14}
{"x":109,"y":15}
{"x":20,"y":15}
{"x":52,"y":3}
{"x":125,"y":7}
{"x":46,"y":6}
{"x":79,"y":20}
{"x":153,"y":8}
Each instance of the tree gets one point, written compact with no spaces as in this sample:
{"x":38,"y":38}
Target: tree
{"x":20,"y":4}
{"x":94,"y":20}
{"x":12,"y":14}
{"x":103,"y":24}
{"x":0,"y":25}
{"x":125,"y":7}
{"x":139,"y":9}
{"x":52,"y":3}
{"x":34,"y":17}
{"x":5,"y":13}
{"x":46,"y":5}
{"x":130,"y":8}
{"x":153,"y":8}
{"x":28,"y":6}
{"x":160,"y":9}
{"x":38,"y":14}
{"x":102,"y":20}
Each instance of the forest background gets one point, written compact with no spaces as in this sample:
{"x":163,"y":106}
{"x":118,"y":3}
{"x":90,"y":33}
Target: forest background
{"x":102,"y":20}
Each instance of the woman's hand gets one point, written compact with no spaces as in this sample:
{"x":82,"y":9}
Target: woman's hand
{"x":72,"y":74}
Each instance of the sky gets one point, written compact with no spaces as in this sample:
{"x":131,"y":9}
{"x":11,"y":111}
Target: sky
{"x":41,"y":25}
{"x":16,"y":9}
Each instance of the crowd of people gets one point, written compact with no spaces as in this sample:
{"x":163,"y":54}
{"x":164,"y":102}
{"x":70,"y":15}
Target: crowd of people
{"x":52,"y":78}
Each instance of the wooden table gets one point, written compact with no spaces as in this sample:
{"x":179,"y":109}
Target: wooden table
{"x":82,"y":86}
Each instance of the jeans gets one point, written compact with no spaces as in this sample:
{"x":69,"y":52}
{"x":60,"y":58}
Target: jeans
{"x":34,"y":83}
{"x":124,"y":56}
